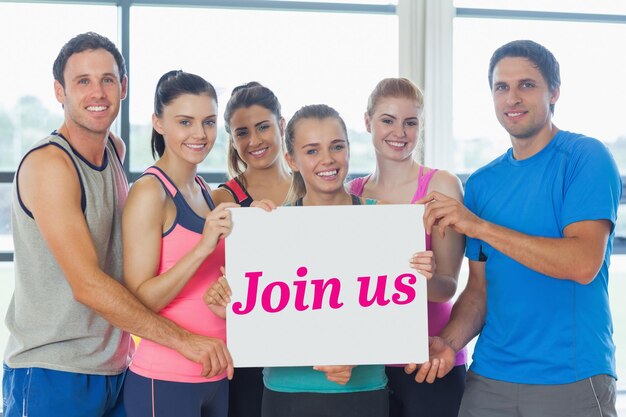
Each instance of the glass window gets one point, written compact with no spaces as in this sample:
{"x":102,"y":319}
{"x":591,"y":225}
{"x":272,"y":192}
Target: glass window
{"x":6,"y":240}
{"x":368,"y":2}
{"x":6,"y":292}
{"x":28,"y":108}
{"x":304,"y":57}
{"x":568,"y":6}
{"x":592,"y":83}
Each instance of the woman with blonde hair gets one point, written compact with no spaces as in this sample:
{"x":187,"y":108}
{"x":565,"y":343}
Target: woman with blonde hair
{"x":394,"y":119}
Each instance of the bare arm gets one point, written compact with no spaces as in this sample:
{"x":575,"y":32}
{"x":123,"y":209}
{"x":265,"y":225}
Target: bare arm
{"x":577,"y":256}
{"x":468,"y":314}
{"x":50,"y":189}
{"x":144,"y":216}
{"x":448,"y":249}
{"x":466,"y":321}
{"x":222,"y":195}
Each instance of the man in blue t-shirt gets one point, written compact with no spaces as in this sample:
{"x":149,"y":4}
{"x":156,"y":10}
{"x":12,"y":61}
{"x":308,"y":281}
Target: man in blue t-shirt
{"x":539,"y":222}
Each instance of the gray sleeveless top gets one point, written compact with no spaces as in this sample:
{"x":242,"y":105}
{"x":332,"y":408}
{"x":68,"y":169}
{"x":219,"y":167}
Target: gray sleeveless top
{"x":49,"y":329}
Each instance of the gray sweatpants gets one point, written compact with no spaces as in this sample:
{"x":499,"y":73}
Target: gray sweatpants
{"x":590,"y":397}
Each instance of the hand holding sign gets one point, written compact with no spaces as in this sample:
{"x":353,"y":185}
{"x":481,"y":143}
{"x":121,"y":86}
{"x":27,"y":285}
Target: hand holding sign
{"x":441,"y":361}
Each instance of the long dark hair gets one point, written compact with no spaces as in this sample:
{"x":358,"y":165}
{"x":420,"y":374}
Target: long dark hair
{"x":171,"y":85}
{"x":244,"y":96}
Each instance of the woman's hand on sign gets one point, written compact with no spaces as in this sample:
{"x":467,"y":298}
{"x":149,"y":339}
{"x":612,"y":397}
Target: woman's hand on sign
{"x":265,"y":204}
{"x":218,"y":295}
{"x":217,"y":226}
{"x":336,"y":373}
{"x":424,"y":263}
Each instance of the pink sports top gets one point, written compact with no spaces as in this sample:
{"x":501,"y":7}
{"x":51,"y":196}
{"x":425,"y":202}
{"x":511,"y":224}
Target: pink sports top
{"x":187,"y":309}
{"x":438,"y":313}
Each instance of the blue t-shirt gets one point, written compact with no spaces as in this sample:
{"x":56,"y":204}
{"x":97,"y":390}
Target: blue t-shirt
{"x":539,"y":329}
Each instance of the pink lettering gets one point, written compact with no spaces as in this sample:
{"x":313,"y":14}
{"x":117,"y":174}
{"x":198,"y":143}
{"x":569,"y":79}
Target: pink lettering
{"x":266,"y":298}
{"x":320,"y":286}
{"x":405,"y":289}
{"x":379,"y":293}
{"x":252,"y":294}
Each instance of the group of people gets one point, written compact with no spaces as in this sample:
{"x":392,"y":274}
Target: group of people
{"x":95,"y":262}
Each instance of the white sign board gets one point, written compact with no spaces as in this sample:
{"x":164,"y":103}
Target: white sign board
{"x":326,"y":285}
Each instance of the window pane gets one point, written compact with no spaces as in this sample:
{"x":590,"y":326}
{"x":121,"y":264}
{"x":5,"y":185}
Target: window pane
{"x":6,"y":292}
{"x":286,"y":51}
{"x":28,"y":108}
{"x":6,"y":240}
{"x":587,"y":105}
{"x":371,"y":2}
{"x":568,"y":6}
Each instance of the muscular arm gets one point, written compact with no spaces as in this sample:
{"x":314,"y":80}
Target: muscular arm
{"x":466,"y":321}
{"x":448,"y":249}
{"x":50,"y":189}
{"x":468,"y":313}
{"x":577,"y":256}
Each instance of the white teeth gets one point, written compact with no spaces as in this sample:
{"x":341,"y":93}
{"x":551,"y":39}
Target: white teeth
{"x":327,"y":173}
{"x":96,"y":108}
{"x":514,"y":114}
{"x":259,"y":152}
{"x":397,"y":144}
{"x":200,"y":146}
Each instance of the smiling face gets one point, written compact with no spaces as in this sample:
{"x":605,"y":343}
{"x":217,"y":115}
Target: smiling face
{"x":189,"y":128}
{"x":522,"y":98}
{"x":320,"y":154}
{"x":257,"y":136}
{"x":394,"y":126}
{"x":92,"y":93}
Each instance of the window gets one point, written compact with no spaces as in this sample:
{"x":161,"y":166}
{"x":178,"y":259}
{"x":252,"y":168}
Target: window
{"x":28,"y":108}
{"x":284,"y":50}
{"x":569,"y":6}
{"x":592,"y":85}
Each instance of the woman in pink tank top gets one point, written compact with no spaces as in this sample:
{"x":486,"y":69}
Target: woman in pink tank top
{"x":173,"y":251}
{"x":393,"y":118}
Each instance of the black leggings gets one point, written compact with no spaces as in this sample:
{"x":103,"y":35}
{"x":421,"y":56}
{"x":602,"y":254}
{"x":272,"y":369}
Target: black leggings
{"x":439,"y":399}
{"x":311,"y":404}
{"x":147,"y":397}
{"x":246,"y":393}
